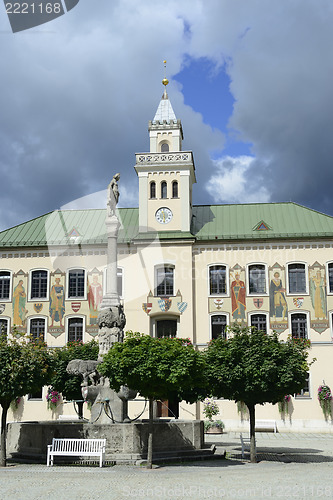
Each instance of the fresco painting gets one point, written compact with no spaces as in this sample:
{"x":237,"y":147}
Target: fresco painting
{"x":57,"y":303}
{"x":238,"y":293}
{"x":278,"y":307}
{"x":317,"y":287}
{"x":19,"y":301}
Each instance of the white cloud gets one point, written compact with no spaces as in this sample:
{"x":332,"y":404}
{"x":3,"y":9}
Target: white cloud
{"x":229,"y":184}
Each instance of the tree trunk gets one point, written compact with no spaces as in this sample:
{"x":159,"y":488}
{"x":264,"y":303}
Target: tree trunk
{"x":150,"y":435}
{"x":253,"y":452}
{"x":80,"y":409}
{"x":3,"y":461}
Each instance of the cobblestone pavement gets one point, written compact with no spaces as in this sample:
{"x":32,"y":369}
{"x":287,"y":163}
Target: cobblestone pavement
{"x":290,"y":466}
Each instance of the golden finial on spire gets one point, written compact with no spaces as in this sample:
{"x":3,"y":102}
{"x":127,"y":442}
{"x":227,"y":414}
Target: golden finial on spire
{"x":165,"y":81}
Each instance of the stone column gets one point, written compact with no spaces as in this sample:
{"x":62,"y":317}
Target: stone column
{"x":111,"y":297}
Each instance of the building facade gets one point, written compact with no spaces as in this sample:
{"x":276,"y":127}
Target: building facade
{"x":183,"y":270}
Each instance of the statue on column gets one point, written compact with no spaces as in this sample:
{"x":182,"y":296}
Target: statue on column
{"x":113,"y":195}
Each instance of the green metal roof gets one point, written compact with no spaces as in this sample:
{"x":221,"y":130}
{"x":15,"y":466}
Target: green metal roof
{"x":264,"y":221}
{"x":238,"y":222}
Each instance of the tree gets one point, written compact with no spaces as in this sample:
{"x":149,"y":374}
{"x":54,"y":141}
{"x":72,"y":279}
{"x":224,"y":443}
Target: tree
{"x":159,"y":368}
{"x":25,"y":366}
{"x":70,"y":385}
{"x":256,"y":368}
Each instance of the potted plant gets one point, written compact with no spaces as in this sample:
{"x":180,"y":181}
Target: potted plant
{"x":284,"y":405}
{"x":325,"y":398}
{"x":213,"y":426}
{"x":210,"y":410}
{"x":52,"y":398}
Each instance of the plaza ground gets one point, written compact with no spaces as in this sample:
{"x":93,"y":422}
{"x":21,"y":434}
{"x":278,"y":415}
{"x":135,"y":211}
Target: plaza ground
{"x":290,"y":466}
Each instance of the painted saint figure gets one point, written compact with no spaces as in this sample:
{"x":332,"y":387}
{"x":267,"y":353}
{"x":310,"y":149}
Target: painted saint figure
{"x":277,"y":299}
{"x":113,"y":195}
{"x":57,"y":302}
{"x":19,"y":300}
{"x":318,"y":295}
{"x":238,"y":298}
{"x":95,"y":296}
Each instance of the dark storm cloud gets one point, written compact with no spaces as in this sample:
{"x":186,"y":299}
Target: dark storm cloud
{"x":279,"y":58}
{"x":76,"y":99}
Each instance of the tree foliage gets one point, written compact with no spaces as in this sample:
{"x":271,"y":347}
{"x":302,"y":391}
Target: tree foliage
{"x":159,"y":368}
{"x":256,"y":368}
{"x":25,"y":366}
{"x":156,"y":367}
{"x":70,"y":385}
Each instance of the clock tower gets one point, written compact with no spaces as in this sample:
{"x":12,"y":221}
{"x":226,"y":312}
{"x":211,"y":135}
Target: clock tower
{"x":166,"y":174}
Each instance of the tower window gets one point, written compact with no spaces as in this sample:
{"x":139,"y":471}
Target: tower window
{"x":153,"y":189}
{"x":164,"y":190}
{"x":175,"y":189}
{"x":165,"y":147}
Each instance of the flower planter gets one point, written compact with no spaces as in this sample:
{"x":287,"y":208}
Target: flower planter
{"x":214,"y":430}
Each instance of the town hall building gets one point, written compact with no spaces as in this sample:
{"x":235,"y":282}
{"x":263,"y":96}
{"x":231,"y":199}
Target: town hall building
{"x":183,"y":270}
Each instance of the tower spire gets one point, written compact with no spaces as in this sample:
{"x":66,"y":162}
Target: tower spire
{"x":165,"y":81}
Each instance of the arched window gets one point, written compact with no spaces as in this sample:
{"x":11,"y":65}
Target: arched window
{"x":164,"y":190}
{"x":153,"y":189}
{"x":217,"y":280}
{"x":259,"y":321}
{"x":165,"y":147}
{"x":299,"y":329}
{"x":218,"y":325}
{"x":175,"y":189}
{"x":257,"y":279}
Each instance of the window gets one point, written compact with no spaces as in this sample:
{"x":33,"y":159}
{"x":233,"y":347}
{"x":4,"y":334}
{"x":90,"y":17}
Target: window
{"x":37,"y":329}
{"x":175,"y":189}
{"x":153,"y":189}
{"x":164,"y":281}
{"x":76,"y":283}
{"x":165,"y":147}
{"x":166,"y":328}
{"x":218,"y":326}
{"x":37,"y":396}
{"x":259,"y":321}
{"x":4,"y":327}
{"x":75,"y":329}
{"x":4,"y":285}
{"x":299,"y":329}
{"x":257,"y":279}
{"x":39,"y":284}
{"x":330,"y":278}
{"x":217,"y":280}
{"x":305,"y":392}
{"x":164,"y":190}
{"x":296,"y":278}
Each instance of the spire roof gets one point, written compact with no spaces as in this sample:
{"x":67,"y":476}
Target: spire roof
{"x":164,"y":111}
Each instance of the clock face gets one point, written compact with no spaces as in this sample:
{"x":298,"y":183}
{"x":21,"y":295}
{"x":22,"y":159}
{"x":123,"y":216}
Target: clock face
{"x":163,"y":215}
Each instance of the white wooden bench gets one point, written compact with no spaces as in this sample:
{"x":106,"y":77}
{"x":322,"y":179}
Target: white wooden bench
{"x":76,"y":448}
{"x":246,"y":444}
{"x":266,"y":425}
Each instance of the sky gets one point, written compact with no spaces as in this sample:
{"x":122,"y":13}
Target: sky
{"x":251,"y":81}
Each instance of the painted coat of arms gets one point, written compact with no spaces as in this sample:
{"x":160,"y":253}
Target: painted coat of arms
{"x":146,"y":306}
{"x":38,"y":307}
{"x":218,"y":303}
{"x":181,"y":306}
{"x":2,"y":308}
{"x":258,"y":303}
{"x":298,"y":302}
{"x":76,"y":306}
{"x":164,"y":304}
